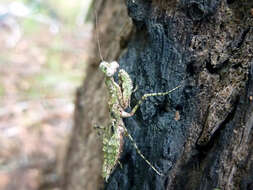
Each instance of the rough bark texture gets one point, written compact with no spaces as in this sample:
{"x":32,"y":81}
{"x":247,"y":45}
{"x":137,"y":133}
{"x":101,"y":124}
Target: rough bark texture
{"x":200,"y":136}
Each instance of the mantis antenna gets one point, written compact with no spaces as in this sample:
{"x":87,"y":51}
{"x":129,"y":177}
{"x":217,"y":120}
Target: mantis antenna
{"x":97,"y":35}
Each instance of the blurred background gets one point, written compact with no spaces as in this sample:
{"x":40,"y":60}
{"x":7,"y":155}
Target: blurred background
{"x":43,"y":50}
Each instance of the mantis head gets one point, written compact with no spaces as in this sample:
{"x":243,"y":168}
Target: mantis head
{"x":109,"y":69}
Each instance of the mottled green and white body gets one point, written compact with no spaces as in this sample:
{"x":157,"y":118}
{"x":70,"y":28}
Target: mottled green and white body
{"x":119,"y":100}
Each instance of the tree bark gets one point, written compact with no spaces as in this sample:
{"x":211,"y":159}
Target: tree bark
{"x":199,"y":136}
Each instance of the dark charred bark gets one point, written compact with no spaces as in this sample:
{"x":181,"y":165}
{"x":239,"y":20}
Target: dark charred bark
{"x":200,"y":136}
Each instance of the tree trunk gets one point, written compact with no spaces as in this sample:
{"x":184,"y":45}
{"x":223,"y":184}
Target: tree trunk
{"x":199,"y":136}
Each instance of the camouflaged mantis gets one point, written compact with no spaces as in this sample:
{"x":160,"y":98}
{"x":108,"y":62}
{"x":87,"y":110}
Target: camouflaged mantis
{"x":118,"y":101}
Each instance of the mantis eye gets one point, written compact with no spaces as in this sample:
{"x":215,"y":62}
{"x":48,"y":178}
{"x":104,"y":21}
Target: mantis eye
{"x":103,"y":66}
{"x":114,"y":65}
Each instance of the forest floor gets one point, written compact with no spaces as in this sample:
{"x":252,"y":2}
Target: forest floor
{"x":39,"y":74}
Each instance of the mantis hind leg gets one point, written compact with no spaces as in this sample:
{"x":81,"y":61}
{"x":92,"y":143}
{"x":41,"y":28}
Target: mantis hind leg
{"x":140,"y":153}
